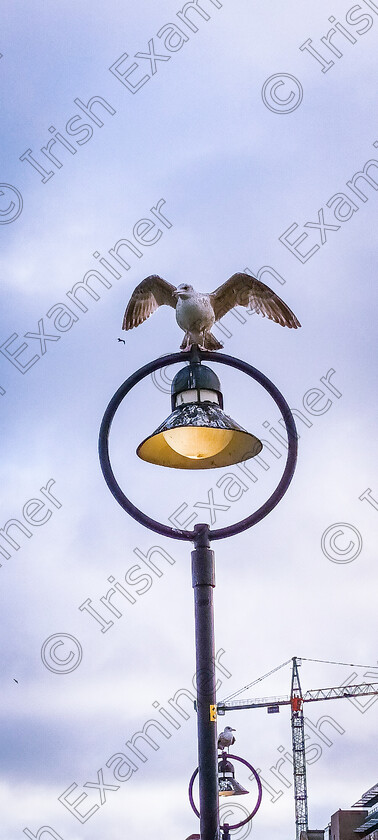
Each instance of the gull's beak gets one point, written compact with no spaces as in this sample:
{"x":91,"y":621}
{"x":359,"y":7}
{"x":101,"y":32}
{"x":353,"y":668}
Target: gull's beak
{"x":176,"y":293}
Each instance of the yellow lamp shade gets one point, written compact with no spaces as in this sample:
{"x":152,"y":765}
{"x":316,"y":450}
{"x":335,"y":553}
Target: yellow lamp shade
{"x":198,"y":435}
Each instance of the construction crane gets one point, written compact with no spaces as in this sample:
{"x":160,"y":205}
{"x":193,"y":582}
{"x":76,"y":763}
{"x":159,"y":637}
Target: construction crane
{"x":296,"y":701}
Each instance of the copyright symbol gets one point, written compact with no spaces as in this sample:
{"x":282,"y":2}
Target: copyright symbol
{"x":282,"y":93}
{"x":161,"y":380}
{"x":11,"y":207}
{"x":233,"y":814}
{"x":341,"y":542}
{"x":61,"y":661}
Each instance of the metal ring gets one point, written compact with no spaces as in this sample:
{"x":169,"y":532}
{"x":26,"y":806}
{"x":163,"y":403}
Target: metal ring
{"x":218,"y":533}
{"x":259,"y":795}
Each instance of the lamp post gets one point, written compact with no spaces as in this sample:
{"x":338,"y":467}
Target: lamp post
{"x":198,"y":435}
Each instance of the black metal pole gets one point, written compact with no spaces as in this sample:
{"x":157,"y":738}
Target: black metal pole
{"x":203,"y":581}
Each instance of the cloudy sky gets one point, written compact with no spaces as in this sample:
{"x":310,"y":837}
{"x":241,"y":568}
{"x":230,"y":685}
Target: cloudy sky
{"x":238,"y":134}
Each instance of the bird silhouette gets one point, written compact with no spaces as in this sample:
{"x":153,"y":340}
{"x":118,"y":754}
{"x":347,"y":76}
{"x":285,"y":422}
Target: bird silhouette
{"x":197,"y":312}
{"x":226,"y":738}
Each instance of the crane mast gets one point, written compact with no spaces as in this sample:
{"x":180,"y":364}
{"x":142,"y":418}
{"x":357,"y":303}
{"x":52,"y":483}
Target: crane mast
{"x":299,"y":755}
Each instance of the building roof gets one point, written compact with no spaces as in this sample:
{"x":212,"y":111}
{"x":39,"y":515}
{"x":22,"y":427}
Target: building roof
{"x":313,"y":834}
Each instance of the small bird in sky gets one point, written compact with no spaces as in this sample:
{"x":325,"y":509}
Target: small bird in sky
{"x":226,"y":738}
{"x":196,"y":312}
{"x":122,"y":340}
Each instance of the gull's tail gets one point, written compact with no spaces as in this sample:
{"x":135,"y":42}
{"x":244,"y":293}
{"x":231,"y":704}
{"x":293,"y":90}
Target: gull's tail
{"x":212,"y":343}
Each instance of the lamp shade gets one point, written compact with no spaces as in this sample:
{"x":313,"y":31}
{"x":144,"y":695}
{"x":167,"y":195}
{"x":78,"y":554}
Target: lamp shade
{"x":227,"y":784}
{"x":198,"y":435}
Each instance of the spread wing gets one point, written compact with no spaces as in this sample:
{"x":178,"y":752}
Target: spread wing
{"x":243,"y":290}
{"x":146,"y":297}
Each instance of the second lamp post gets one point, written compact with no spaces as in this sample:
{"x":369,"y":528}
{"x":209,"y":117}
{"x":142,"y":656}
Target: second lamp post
{"x":199,"y":435}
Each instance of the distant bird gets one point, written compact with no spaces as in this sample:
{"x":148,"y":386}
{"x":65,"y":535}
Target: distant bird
{"x":123,"y":340}
{"x":226,"y":738}
{"x":15,"y":680}
{"x":197,"y":312}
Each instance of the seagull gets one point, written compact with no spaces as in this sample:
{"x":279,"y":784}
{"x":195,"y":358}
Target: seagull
{"x":197,"y":312}
{"x":226,"y":738}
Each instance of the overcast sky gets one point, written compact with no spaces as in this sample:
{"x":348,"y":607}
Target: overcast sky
{"x":235,"y":140}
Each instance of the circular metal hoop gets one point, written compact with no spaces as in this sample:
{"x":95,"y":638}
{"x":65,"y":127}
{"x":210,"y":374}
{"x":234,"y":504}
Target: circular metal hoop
{"x":259,"y":795}
{"x":218,"y":533}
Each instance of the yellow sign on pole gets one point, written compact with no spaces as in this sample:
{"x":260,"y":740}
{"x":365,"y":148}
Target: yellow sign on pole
{"x":213,"y":712}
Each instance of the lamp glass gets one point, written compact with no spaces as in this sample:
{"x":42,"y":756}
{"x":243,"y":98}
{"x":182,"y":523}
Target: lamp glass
{"x":197,"y":442}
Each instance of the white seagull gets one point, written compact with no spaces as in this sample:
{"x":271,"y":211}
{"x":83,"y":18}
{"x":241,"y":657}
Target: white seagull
{"x":226,"y":738}
{"x":196,"y":312}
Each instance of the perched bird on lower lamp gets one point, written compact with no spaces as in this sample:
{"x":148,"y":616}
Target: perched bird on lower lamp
{"x":197,"y":312}
{"x":226,"y":738}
